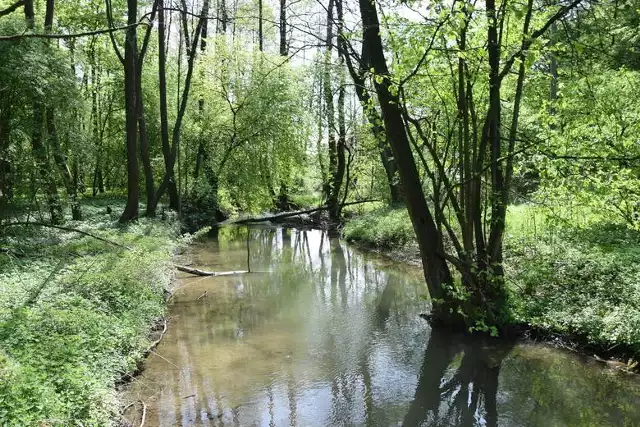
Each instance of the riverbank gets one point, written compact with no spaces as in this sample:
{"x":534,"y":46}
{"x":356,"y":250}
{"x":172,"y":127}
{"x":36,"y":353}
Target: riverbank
{"x":75,"y":313}
{"x":578,"y":286}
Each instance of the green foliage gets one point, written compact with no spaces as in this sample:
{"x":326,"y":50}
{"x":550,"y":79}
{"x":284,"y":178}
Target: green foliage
{"x":74,"y":317}
{"x":384,"y":229}
{"x":580,"y":279}
{"x":253,"y":126}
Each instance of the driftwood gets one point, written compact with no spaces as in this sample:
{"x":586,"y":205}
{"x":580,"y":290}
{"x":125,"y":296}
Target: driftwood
{"x":144,"y":414}
{"x":197,"y":272}
{"x":156,"y":342}
{"x":282,"y":215}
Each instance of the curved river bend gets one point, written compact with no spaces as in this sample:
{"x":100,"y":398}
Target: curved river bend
{"x":321,"y":334}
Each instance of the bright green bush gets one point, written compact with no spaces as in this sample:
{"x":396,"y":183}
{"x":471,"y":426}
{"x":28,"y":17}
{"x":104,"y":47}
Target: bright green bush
{"x":384,"y":229}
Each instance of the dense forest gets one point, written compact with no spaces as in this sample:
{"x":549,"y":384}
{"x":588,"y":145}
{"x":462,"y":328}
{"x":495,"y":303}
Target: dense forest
{"x":497,"y":142}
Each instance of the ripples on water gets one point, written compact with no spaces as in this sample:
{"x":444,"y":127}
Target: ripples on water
{"x":320,"y":334}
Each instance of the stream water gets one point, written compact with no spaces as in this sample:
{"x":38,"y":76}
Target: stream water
{"x":321,"y":334}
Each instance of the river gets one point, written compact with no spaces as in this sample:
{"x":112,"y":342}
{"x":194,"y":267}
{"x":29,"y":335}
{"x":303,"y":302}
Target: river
{"x":322,"y":334}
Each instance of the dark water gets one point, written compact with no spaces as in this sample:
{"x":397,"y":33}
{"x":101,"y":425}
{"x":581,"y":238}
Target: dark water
{"x":325,"y":335}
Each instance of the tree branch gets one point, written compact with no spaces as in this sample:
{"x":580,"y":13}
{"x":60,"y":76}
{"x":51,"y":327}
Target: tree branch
{"x":535,"y":35}
{"x":12,"y":8}
{"x":59,"y":227}
{"x":26,"y":35}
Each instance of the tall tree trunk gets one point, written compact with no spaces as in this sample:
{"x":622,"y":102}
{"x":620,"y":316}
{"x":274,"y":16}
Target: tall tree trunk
{"x":260,"y":33}
{"x":54,"y":143}
{"x":174,"y":202}
{"x":37,"y":141}
{"x":144,"y":150}
{"x":339,"y":170}
{"x":42,"y":161}
{"x":436,"y":270}
{"x":222,"y":17}
{"x":131,"y":113}
{"x":498,"y":208}
{"x":170,"y":153}
{"x":375,"y":121}
{"x":284,"y":50}
{"x":6,"y":181}
{"x":200,"y":154}
{"x":29,"y":14}
{"x":328,"y":100}
{"x":61,"y":161}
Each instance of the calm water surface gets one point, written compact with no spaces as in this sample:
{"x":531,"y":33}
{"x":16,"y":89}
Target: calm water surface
{"x":321,"y":334}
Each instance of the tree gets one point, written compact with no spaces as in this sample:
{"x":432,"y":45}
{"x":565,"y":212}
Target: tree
{"x":477,"y":246}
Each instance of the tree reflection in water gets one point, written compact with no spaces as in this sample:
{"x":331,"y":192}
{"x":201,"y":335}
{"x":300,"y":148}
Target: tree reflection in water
{"x":458,"y":382}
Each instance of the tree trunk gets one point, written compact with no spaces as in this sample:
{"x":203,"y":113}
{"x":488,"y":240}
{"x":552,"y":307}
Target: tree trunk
{"x":200,"y":154}
{"x":6,"y":181}
{"x":328,"y":100}
{"x":42,"y":162}
{"x":54,"y":143}
{"x":170,"y":153}
{"x":436,"y":270}
{"x":222,"y":17}
{"x":131,"y":114}
{"x":63,"y":167}
{"x":284,"y":50}
{"x":260,"y":33}
{"x":339,"y":169}
{"x":375,"y":121}
{"x":144,"y":151}
{"x":29,"y":14}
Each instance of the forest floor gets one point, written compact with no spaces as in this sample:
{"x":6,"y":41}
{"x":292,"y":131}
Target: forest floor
{"x":75,"y":313}
{"x":575,"y":284}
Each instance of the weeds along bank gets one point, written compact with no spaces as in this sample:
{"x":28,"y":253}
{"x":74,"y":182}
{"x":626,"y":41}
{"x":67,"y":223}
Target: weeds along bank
{"x":578,"y":278}
{"x":75,"y":315}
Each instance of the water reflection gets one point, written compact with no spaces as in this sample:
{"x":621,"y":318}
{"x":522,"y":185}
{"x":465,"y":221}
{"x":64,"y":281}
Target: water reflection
{"x":458,"y":382}
{"x":321,"y":334}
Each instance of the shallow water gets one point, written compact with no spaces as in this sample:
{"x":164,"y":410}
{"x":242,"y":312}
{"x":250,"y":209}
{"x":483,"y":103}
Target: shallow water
{"x":321,"y":334}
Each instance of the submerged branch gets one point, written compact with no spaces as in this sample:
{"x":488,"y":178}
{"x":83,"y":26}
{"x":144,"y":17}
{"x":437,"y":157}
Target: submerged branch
{"x":197,"y":272}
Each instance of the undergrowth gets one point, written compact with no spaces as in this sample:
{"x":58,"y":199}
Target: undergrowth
{"x":578,"y":279}
{"x":75,"y":314}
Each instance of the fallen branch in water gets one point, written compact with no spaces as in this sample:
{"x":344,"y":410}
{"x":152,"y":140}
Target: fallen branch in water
{"x":156,"y":342}
{"x":197,"y":272}
{"x":144,"y":414}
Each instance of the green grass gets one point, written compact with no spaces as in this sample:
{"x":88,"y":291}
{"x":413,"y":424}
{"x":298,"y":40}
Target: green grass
{"x":580,"y":279}
{"x":385,"y":229}
{"x":75,"y":315}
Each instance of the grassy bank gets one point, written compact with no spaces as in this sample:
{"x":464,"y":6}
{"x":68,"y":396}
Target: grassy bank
{"x":75,"y":315}
{"x":579,"y":279}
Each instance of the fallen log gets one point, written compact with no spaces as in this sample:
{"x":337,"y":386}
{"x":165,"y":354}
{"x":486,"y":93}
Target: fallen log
{"x":197,"y":272}
{"x":282,"y":215}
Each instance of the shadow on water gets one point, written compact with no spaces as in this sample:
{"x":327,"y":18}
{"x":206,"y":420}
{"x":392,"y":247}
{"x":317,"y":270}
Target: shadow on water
{"x":458,"y":382}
